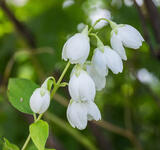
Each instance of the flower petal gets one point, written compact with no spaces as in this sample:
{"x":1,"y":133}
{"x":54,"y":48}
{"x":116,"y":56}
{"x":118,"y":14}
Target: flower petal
{"x":113,"y":60}
{"x":93,"y":112}
{"x":100,"y":81}
{"x":99,"y":62}
{"x":77,"y":115}
{"x":117,"y":45}
{"x":130,"y":37}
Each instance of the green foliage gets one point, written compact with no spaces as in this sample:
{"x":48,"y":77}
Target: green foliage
{"x":9,"y":146}
{"x":39,"y":132}
{"x":19,"y":93}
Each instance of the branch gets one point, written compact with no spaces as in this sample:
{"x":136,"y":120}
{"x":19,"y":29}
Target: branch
{"x":21,"y":28}
{"x":144,"y":28}
{"x":154,"y":17}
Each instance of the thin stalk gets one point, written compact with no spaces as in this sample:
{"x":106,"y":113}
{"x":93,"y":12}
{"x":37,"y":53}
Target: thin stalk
{"x":92,"y":27}
{"x":52,"y":94}
{"x":26,"y":142}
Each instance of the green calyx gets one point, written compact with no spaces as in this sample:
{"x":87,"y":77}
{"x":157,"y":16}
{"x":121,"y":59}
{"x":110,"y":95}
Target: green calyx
{"x":85,"y":30}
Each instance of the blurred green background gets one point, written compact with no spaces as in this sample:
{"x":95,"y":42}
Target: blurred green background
{"x":130,"y":101}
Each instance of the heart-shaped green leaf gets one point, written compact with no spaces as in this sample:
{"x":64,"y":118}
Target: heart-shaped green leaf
{"x":19,"y":93}
{"x":39,"y":132}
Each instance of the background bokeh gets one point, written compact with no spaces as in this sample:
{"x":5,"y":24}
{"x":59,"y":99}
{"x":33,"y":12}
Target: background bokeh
{"x":32,"y":34}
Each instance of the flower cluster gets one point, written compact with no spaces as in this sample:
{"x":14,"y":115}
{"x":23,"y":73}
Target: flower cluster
{"x":89,"y":76}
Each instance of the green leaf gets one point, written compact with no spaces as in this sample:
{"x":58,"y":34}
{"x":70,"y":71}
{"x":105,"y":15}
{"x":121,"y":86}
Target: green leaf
{"x":39,"y":132}
{"x":49,"y":149}
{"x":19,"y":93}
{"x":9,"y":146}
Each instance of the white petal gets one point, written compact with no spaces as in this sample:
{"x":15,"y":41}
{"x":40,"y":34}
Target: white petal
{"x":76,"y":49}
{"x":77,"y":115}
{"x":113,"y":60}
{"x":93,"y":112}
{"x":99,"y":61}
{"x":100,"y":81}
{"x":117,"y":45}
{"x":40,"y":103}
{"x":82,"y":87}
{"x":130,"y":37}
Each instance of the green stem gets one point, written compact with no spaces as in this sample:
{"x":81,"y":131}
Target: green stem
{"x":100,"y":44}
{"x":52,"y":94}
{"x":60,"y":79}
{"x":26,"y":142}
{"x":112,"y":24}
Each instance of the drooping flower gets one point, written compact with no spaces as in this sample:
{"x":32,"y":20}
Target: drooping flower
{"x":81,"y":86}
{"x":77,"y":48}
{"x":107,"y":59}
{"x":78,"y":113}
{"x":125,"y":35}
{"x":99,"y":80}
{"x":40,"y":100}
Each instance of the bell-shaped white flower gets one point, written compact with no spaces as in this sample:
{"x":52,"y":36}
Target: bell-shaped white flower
{"x":40,"y":100}
{"x":99,"y":80}
{"x":78,"y":113}
{"x":81,"y":86}
{"x":77,"y":48}
{"x":125,"y":35}
{"x":107,"y":59}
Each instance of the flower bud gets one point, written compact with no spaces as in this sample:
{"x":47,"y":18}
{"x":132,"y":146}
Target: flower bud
{"x":81,"y":86}
{"x":125,"y":35}
{"x":77,"y":48}
{"x":40,"y":100}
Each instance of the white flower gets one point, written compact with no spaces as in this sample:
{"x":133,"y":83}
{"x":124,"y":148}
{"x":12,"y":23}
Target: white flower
{"x":107,"y":59}
{"x":78,"y":113}
{"x":99,"y":80}
{"x":98,"y":13}
{"x":76,"y":49}
{"x":125,"y":35}
{"x":40,"y":100}
{"x":81,"y":86}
